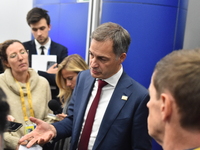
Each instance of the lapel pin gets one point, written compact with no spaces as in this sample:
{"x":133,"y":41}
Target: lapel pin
{"x":124,"y":97}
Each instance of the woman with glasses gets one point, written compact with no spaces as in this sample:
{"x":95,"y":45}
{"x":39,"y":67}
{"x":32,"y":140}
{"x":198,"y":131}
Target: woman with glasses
{"x":27,"y":93}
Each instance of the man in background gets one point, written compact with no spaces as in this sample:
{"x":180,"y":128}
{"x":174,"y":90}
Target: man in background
{"x":174,"y":106}
{"x":39,"y":22}
{"x":4,"y":109}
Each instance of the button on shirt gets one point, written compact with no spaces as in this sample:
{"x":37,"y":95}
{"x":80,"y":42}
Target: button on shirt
{"x":106,"y":94}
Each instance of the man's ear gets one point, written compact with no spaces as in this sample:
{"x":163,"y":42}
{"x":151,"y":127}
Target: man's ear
{"x":49,"y":27}
{"x":122,"y":57}
{"x":166,"y":106}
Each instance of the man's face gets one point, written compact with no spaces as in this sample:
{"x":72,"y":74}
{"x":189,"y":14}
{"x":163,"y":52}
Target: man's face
{"x":40,"y":31}
{"x":103,"y":62}
{"x":155,"y":124}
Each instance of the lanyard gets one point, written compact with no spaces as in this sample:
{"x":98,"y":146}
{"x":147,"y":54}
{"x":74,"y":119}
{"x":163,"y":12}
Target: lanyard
{"x":198,"y":148}
{"x":23,"y":101}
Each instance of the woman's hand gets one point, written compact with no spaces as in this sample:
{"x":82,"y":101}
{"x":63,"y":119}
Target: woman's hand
{"x":53,"y":69}
{"x":10,"y":118}
{"x":61,"y":116}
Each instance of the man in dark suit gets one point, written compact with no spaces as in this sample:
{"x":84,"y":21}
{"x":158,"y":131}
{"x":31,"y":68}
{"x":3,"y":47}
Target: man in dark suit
{"x":39,"y":22}
{"x":120,"y":120}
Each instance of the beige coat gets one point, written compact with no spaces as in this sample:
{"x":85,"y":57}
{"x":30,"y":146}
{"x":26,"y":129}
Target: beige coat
{"x":40,"y":91}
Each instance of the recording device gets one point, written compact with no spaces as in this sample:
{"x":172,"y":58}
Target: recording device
{"x":55,"y":106}
{"x":50,"y":63}
{"x":13,"y":126}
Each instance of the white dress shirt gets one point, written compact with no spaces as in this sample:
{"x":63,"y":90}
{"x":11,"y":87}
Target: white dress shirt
{"x":106,"y":94}
{"x":46,"y":47}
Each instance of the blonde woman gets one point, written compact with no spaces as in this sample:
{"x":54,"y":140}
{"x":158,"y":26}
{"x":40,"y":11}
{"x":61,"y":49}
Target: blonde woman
{"x":66,"y":76}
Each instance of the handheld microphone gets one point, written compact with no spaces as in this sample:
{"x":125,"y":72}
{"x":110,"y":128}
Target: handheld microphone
{"x":55,"y":106}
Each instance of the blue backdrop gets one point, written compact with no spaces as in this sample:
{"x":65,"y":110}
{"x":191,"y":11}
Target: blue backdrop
{"x":156,"y":28}
{"x":68,"y":23}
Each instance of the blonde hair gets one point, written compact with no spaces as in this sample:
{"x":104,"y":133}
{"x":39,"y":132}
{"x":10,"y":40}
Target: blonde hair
{"x":73,"y":63}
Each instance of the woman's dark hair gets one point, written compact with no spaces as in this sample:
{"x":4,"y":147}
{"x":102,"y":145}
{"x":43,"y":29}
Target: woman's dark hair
{"x":3,"y":48}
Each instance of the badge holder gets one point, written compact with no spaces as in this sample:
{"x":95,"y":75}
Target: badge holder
{"x":29,"y":128}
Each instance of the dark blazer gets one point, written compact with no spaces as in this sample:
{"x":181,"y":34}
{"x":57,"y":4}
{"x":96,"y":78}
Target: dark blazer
{"x":124,"y":125}
{"x":55,"y":49}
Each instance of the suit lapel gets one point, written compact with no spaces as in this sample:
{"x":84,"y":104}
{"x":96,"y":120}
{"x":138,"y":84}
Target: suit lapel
{"x":32,"y":48}
{"x":114,"y":107}
{"x":51,"y":48}
{"x":88,"y":86}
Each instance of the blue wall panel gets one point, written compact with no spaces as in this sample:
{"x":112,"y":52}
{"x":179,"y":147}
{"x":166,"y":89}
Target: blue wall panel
{"x":152,"y":34}
{"x":68,"y":1}
{"x":156,"y":28}
{"x":173,"y":3}
{"x":68,"y":23}
{"x":179,"y":37}
{"x":36,"y":2}
{"x":73,"y":27}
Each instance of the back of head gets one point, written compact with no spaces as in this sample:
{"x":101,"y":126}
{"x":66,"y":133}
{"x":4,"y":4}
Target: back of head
{"x":36,"y":14}
{"x":4,"y":109}
{"x":3,"y":48}
{"x":114,"y":32}
{"x":179,"y":73}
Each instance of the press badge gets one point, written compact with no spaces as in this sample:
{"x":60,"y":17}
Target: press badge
{"x":29,"y":128}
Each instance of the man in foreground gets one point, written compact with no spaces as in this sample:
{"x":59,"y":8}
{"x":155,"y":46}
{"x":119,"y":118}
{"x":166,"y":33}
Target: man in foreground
{"x":114,"y":119}
{"x":174,"y":106}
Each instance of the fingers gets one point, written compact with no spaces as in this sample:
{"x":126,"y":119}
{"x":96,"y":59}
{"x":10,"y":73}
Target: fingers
{"x":31,"y":142}
{"x":25,"y":142}
{"x":10,"y":118}
{"x":62,"y":115}
{"x":54,"y":65}
{"x":35,"y":120}
{"x":25,"y":138}
{"x":42,"y":141}
{"x":53,"y":69}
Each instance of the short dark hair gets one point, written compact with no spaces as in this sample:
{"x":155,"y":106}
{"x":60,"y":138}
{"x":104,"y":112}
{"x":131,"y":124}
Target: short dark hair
{"x":4,"y":110}
{"x":117,"y":34}
{"x":36,"y":14}
{"x":179,"y":73}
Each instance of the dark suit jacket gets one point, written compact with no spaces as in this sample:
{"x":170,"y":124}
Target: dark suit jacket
{"x":55,"y":49}
{"x":124,"y":125}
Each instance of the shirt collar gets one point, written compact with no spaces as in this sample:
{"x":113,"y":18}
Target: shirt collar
{"x":113,"y":80}
{"x":47,"y":45}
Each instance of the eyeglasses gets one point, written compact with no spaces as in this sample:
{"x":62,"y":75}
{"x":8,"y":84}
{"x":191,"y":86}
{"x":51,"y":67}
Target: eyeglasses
{"x":21,"y":52}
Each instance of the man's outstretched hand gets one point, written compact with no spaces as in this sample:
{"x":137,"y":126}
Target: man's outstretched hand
{"x":42,"y":134}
